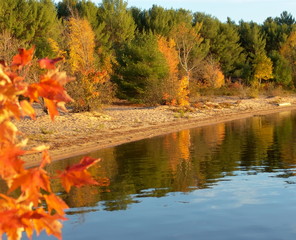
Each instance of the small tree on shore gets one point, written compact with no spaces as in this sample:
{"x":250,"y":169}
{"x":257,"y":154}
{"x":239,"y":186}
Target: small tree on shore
{"x":262,"y":68}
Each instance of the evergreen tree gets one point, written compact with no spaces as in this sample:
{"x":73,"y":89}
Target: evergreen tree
{"x":285,"y":18}
{"x":142,"y":68}
{"x":118,"y":21}
{"x":275,"y":34}
{"x":252,"y":39}
{"x":138,"y":16}
{"x":30,"y":22}
{"x":288,"y":51}
{"x":181,"y":16}
{"x":18,"y":16}
{"x":87,"y":9}
{"x":253,"y":42}
{"x":211,"y":25}
{"x":161,"y":21}
{"x":66,"y":8}
{"x":228,"y":50}
{"x":282,"y":70}
{"x":223,"y":39}
{"x":158,"y":20}
{"x":47,"y":26}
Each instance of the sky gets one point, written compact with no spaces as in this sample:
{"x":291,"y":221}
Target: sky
{"x":247,"y":10}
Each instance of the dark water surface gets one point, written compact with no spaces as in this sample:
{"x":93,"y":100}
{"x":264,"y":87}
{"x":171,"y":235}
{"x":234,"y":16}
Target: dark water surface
{"x":231,"y":181}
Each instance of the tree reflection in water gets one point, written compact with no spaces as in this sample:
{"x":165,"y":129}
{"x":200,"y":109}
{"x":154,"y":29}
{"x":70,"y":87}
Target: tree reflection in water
{"x":185,"y":161}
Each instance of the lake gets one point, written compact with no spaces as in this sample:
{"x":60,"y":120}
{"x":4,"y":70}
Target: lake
{"x":233,"y":180}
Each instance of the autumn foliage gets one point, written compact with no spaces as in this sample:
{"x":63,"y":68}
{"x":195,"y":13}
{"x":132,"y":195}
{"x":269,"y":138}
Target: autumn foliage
{"x":90,"y":78}
{"x":175,"y":90}
{"x":29,"y":204}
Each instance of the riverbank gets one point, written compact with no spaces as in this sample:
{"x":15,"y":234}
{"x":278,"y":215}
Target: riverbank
{"x":74,"y":134}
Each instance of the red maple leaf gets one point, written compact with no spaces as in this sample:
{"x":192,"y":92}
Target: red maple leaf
{"x":23,"y":58}
{"x":77,"y":175}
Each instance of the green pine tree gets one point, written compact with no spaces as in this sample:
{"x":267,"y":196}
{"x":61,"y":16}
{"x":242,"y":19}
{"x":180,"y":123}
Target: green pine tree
{"x":142,"y":68}
{"x":118,"y":21}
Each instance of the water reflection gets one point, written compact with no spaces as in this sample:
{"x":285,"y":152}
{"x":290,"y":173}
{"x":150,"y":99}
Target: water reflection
{"x":186,"y":161}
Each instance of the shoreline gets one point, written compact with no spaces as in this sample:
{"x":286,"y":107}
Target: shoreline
{"x":164,"y":129}
{"x":130,"y":124}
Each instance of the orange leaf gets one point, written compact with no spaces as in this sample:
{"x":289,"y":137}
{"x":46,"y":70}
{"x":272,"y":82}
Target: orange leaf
{"x":10,"y":223}
{"x":46,"y":159}
{"x":77,"y":174}
{"x":30,"y":182}
{"x":55,"y":203}
{"x":84,"y":164}
{"x":52,"y":84}
{"x":32,"y":92}
{"x":10,"y":162}
{"x":8,"y":132}
{"x":12,"y":109}
{"x":52,"y":108}
{"x":77,"y":179}
{"x":23,"y":58}
{"x":42,"y":220}
{"x":49,"y":63}
{"x":28,"y":109}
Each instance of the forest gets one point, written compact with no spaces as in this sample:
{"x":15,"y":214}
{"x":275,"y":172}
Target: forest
{"x":154,"y":56}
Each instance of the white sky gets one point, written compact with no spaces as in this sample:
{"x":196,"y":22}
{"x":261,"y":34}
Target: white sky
{"x":256,"y":10}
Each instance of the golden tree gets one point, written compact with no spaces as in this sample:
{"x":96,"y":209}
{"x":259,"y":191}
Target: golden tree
{"x":85,"y":90}
{"x":262,"y":68}
{"x":81,"y":45}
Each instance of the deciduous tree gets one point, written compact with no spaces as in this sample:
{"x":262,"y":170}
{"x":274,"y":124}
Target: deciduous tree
{"x":175,"y":90}
{"x":189,"y":45}
{"x":212,"y":74}
{"x":85,"y":89}
{"x":262,"y":68}
{"x":223,"y":41}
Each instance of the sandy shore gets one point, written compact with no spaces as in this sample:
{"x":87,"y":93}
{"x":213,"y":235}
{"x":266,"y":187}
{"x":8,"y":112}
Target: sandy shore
{"x":74,"y":134}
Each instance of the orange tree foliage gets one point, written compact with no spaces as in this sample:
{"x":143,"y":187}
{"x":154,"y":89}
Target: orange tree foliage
{"x":175,"y":90}
{"x":86,"y":89}
{"x":22,"y":208}
{"x":212,"y":74}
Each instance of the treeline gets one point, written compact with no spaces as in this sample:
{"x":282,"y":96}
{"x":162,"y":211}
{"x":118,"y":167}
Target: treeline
{"x":156,"y":56}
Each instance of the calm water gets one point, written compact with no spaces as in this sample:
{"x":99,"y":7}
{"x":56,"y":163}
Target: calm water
{"x":233,"y":180}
